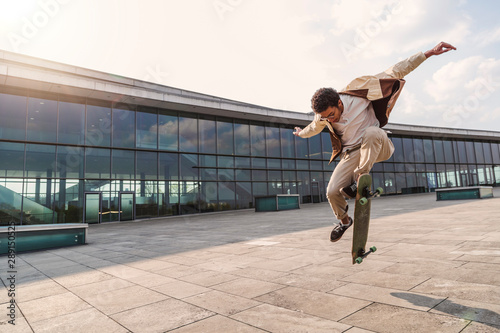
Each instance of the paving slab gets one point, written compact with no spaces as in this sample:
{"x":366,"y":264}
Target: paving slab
{"x":161,"y":316}
{"x":86,"y":321}
{"x":222,"y":303}
{"x":241,"y":271}
{"x":392,"y":319}
{"x":280,"y":320}
{"x":314,"y":303}
{"x":218,"y":324}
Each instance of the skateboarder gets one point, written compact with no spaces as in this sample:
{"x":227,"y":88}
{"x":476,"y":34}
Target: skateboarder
{"x":354,"y":117}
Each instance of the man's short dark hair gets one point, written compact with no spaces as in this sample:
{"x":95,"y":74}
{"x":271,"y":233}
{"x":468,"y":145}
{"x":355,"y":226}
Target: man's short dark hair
{"x":323,"y":98}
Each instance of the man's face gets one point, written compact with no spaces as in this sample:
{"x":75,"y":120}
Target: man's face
{"x":333,"y":113}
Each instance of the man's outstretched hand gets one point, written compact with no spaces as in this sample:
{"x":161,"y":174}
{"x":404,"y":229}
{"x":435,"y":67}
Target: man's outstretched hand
{"x":439,"y":49}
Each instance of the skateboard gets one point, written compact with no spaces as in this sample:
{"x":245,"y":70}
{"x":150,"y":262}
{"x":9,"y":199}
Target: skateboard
{"x":362,"y":218}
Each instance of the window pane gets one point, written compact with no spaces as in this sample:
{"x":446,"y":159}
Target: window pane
{"x":244,"y":196}
{"x":123,"y":128}
{"x":462,"y":154}
{"x":98,"y":126}
{"x":448,"y":151}
{"x":97,"y":163}
{"x":42,"y":120}
{"x":326,"y":144}
{"x":208,"y":197}
{"x":208,"y":174}
{"x":168,"y":131}
{"x":451,"y":175}
{"x":226,"y":162}
{"x":259,"y":189}
{"x":287,"y":142}
{"x":188,"y":197}
{"x":315,"y":147}
{"x":13,"y":115}
{"x":488,"y":158}
{"x":70,"y":162}
{"x":258,"y":162}
{"x":495,"y":147}
{"x":439,"y":151}
{"x":409,"y":151}
{"x":478,"y":149}
{"x":273,"y":163}
{"x":188,"y":134}
{"x":123,"y":164}
{"x":146,"y":199}
{"x":243,"y":175}
{"x":169,"y":205}
{"x":400,"y":182}
{"x":301,"y":148}
{"x":40,"y":160}
{"x":273,"y":142}
{"x":258,"y":140}
{"x":429,"y":151}
{"x":71,"y":123}
{"x":227,"y":195}
{"x":207,"y":136}
{"x":188,"y":169}
{"x":303,"y":165}
{"x":40,"y":199}
{"x":225,"y":140}
{"x":398,"y":155}
{"x":242,"y":139}
{"x":12,"y":159}
{"x":146,"y":134}
{"x":471,"y":156}
{"x":208,"y":161}
{"x":242,"y":162}
{"x":169,"y":166}
{"x":259,"y":175}
{"x":147,"y":165}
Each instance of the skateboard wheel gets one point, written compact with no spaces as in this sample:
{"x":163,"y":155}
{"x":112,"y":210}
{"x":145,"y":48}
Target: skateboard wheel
{"x":373,"y":248}
{"x":359,"y":260}
{"x":363,"y":201}
{"x":380,"y":190}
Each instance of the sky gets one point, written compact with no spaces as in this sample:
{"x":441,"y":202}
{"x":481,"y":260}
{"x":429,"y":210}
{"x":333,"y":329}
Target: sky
{"x":277,"y":53}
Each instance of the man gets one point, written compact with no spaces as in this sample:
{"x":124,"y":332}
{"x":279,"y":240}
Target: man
{"x":354,"y":118}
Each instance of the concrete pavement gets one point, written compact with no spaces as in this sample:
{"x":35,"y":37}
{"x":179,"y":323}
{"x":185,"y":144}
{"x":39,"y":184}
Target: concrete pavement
{"x":437,"y":269}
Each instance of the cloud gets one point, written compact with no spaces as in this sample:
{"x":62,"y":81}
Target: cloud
{"x":487,"y":37}
{"x":368,"y":30}
{"x":473,"y":76}
{"x":464,"y":93}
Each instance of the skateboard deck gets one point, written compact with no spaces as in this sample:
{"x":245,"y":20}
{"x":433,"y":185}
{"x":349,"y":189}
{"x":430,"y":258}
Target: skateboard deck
{"x":362,"y":218}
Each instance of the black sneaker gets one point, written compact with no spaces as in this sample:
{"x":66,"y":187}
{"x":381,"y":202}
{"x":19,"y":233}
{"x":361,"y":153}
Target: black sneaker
{"x":350,"y":191}
{"x":339,"y":230}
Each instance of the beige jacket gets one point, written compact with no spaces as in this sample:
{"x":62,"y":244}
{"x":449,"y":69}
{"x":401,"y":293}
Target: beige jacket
{"x":382,"y":90}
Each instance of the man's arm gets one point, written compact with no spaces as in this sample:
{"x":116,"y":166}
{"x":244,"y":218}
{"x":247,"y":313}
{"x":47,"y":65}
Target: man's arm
{"x":315,"y":127}
{"x":403,"y":68}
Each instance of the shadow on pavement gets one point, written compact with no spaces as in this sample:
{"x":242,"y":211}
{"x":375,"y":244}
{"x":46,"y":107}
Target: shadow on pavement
{"x":449,"y":307}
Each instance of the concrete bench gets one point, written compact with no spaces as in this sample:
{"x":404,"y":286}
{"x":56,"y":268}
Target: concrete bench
{"x":41,"y":236}
{"x":277,"y":202}
{"x":457,"y":193}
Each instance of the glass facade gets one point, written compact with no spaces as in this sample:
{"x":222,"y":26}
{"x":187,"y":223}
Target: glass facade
{"x":72,"y":160}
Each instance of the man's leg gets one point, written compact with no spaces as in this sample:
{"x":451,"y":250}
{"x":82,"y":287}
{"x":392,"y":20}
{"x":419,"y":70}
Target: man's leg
{"x":376,"y":147}
{"x":342,"y":176}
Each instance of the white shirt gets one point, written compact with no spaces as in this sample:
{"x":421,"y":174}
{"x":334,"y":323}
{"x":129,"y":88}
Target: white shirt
{"x":358,"y":115}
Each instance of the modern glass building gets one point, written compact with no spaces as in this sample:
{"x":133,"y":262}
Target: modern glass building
{"x":78,"y":145}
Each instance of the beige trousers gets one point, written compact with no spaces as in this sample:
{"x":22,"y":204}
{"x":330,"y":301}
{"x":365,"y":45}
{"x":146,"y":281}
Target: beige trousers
{"x":375,"y":147}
